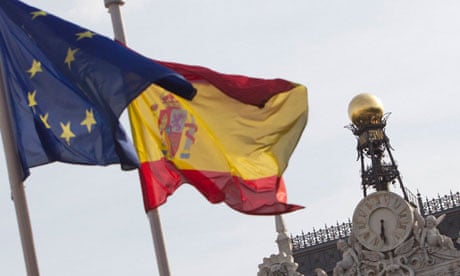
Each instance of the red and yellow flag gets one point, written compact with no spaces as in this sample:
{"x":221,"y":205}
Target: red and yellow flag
{"x":232,"y":142}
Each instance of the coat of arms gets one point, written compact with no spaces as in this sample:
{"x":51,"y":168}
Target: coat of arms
{"x":177,"y":128}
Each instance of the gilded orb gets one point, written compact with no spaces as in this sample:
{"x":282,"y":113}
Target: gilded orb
{"x":365,"y":109}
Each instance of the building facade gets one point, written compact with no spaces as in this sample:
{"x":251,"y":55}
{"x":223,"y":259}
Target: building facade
{"x":318,"y":248}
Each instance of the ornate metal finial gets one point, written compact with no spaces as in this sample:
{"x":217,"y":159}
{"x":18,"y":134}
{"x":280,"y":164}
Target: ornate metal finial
{"x":378,"y":168}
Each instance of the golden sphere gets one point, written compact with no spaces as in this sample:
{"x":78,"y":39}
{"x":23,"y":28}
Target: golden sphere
{"x":364,"y":109}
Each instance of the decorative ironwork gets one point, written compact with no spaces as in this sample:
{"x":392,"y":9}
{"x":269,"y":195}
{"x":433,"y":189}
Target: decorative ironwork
{"x":321,"y":236}
{"x":378,"y":168}
{"x":375,"y":150}
{"x":439,"y":204}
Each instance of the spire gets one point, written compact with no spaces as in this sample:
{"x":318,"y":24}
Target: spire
{"x":283,"y":262}
{"x":283,"y":240}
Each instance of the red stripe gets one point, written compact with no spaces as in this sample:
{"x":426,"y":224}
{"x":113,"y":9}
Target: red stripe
{"x":266,"y":196}
{"x":248,"y":90}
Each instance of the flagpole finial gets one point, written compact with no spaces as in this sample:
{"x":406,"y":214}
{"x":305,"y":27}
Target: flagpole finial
{"x":114,"y":9}
{"x":110,"y":2}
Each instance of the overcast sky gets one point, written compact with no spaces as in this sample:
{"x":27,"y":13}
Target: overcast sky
{"x":90,"y":220}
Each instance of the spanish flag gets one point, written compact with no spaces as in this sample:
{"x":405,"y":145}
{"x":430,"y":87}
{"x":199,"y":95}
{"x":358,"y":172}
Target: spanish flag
{"x":232,"y":142}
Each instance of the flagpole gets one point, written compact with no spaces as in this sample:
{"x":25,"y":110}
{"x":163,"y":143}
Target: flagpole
{"x":17,"y":186}
{"x":153,"y":215}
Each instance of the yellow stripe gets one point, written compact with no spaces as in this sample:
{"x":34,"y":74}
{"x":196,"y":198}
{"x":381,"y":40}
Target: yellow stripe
{"x":245,"y":140}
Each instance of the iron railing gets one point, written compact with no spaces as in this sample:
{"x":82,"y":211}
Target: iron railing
{"x":439,"y":204}
{"x":316,"y":237}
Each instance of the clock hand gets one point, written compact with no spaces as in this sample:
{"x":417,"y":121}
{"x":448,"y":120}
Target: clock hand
{"x":382,"y":230}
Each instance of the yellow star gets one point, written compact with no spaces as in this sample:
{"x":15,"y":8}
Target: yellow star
{"x":35,"y":68}
{"x":87,"y":34}
{"x":31,"y":99}
{"x":89,"y":120}
{"x":44,"y":119}
{"x":66,"y":132}
{"x":36,"y":14}
{"x":70,"y":56}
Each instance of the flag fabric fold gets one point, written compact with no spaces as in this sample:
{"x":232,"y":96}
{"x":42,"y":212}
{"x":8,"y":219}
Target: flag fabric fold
{"x":232,"y":142}
{"x":66,"y":87}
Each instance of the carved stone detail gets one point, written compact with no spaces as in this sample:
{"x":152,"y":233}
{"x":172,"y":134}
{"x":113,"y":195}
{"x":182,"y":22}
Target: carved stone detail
{"x":278,"y":265}
{"x":425,"y":252}
{"x":281,"y":264}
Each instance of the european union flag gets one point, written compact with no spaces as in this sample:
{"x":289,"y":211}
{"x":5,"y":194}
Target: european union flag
{"x":66,"y":87}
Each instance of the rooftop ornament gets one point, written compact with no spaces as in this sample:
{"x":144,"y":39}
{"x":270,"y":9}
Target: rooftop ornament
{"x":378,"y":168}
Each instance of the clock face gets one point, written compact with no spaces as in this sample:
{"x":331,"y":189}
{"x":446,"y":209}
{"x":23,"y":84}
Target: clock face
{"x":382,"y":221}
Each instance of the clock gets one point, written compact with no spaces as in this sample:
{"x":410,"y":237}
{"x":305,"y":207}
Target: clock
{"x":382,"y":221}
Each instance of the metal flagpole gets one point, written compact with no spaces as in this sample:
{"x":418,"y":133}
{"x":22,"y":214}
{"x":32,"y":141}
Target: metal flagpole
{"x":158,"y":241}
{"x":153,"y":215}
{"x":17,"y":186}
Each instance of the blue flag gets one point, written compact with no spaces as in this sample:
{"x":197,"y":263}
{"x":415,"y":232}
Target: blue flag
{"x":66,"y":87}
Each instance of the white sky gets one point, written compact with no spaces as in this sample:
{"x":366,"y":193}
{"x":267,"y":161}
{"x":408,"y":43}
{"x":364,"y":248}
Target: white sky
{"x":90,"y":220}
